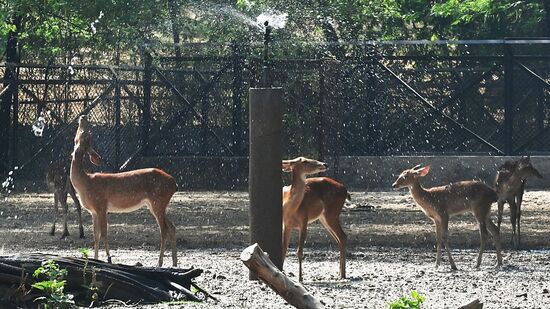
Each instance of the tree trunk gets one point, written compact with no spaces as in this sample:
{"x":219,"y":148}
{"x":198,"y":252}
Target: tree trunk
{"x":175,"y":29}
{"x":294,"y":293}
{"x":7,"y":93}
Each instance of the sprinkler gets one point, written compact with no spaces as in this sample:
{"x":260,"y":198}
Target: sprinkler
{"x":267,"y":38}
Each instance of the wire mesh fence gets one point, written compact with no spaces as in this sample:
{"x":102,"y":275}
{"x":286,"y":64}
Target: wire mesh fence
{"x":365,"y":98}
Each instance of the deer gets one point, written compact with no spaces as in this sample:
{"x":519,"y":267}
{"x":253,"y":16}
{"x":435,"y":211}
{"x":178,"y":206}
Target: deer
{"x":57,"y":178}
{"x":441,"y":203}
{"x":123,"y":192}
{"x":307,"y":200}
{"x":510,"y":186}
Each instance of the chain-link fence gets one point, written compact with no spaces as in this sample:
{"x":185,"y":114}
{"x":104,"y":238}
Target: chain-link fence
{"x":365,"y":98}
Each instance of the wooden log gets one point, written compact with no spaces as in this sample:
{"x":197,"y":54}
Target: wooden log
{"x":125,"y":283}
{"x":294,"y":293}
{"x":474,"y":304}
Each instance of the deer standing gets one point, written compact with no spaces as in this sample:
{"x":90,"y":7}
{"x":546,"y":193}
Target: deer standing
{"x":60,"y":184}
{"x":440,"y":203}
{"x":307,"y":200}
{"x":510,"y":186}
{"x":101,"y":193}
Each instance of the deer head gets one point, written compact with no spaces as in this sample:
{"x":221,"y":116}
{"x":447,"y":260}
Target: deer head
{"x":304,"y":166}
{"x":83,"y":140}
{"x":408,"y":177}
{"x":526,"y":169}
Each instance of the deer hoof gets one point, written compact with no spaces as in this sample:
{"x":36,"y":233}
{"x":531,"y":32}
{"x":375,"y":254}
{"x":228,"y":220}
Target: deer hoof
{"x":109,"y":260}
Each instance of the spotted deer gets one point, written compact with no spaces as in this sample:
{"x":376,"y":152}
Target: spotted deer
{"x":57,"y":178}
{"x":101,"y":193}
{"x":510,"y":186}
{"x":441,"y":203}
{"x":307,"y":200}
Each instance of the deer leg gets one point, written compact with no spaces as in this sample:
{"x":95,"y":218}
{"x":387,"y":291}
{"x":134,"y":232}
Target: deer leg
{"x":55,"y":212}
{"x":438,"y":244}
{"x":63,"y":200}
{"x":493,"y":230}
{"x":445,"y":241}
{"x":102,"y":221}
{"x":171,"y":230}
{"x":70,"y":188}
{"x":286,"y":240}
{"x":483,"y":239}
{"x":518,"y":218}
{"x":97,"y":235}
{"x":513,"y":218}
{"x":160,"y":216}
{"x":301,"y":241}
{"x":334,"y":228}
{"x":499,"y":214}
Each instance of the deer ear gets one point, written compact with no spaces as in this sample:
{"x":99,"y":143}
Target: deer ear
{"x":95,"y":158}
{"x":423,"y":171}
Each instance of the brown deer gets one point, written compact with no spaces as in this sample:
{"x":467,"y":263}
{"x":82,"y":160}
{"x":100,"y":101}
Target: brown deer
{"x":60,"y":184}
{"x":101,"y":193}
{"x":510,"y":186}
{"x":307,"y":200}
{"x":440,"y":203}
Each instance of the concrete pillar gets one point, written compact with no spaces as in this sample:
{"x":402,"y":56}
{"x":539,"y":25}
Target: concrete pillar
{"x":265,"y":181}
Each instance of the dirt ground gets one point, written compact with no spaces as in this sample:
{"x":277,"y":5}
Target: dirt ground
{"x":391,"y":250}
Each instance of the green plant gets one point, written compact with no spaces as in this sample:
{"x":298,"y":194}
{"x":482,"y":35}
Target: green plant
{"x":92,"y":288}
{"x":53,"y":287}
{"x":85,"y":252}
{"x":405,"y":302}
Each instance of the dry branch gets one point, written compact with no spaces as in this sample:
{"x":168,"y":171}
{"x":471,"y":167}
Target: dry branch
{"x":474,"y":304}
{"x":125,"y":283}
{"x":294,"y":293}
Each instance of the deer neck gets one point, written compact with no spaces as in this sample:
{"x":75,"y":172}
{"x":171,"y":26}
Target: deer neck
{"x":420,"y":195}
{"x":297,"y":191}
{"x":77,"y":173}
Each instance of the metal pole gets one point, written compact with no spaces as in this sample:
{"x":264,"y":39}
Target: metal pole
{"x":15,"y":123}
{"x":265,"y":181}
{"x":508,"y":100}
{"x":237,"y":100}
{"x":320,"y":115}
{"x":117,"y":121}
{"x":265,"y":67}
{"x":146,"y":111}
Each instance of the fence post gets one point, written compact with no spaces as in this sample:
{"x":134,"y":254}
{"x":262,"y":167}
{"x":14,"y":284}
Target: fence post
{"x":320,"y":113}
{"x":117,"y":121}
{"x":237,"y":101}
{"x":508,"y":100}
{"x":204,"y":126}
{"x":15,"y":120}
{"x":146,"y":112}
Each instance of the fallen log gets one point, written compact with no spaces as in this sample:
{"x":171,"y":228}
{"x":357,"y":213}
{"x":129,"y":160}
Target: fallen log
{"x":294,"y":293}
{"x":474,"y":304}
{"x":108,"y":282}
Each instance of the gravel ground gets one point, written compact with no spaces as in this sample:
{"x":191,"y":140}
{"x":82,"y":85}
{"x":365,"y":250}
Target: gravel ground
{"x":391,"y":251}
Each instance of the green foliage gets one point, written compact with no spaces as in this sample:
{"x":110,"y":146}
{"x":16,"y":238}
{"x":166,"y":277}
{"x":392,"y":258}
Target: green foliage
{"x":92,"y":287}
{"x":53,"y":287}
{"x":98,"y":29}
{"x":405,"y":302}
{"x":85,"y":253}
